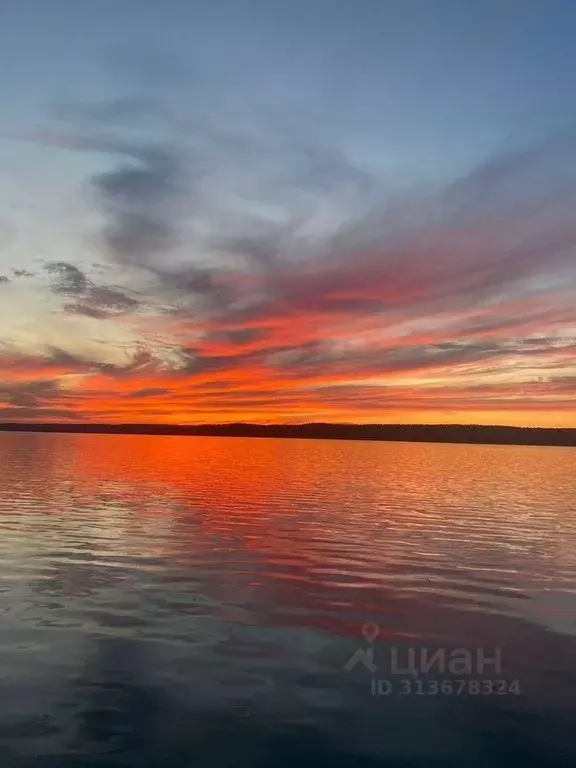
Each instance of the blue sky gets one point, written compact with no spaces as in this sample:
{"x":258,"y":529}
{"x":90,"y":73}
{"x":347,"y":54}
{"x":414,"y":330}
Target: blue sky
{"x":415,"y":79}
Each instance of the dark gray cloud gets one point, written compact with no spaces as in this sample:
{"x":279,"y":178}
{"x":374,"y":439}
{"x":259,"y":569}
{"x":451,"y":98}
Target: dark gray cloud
{"x":519,"y":180}
{"x":92,"y":300}
{"x":147,"y":392}
{"x":81,"y":308}
{"x":196,"y":362}
{"x":32,"y":413}
{"x":239,"y":337}
{"x":133,"y":237}
{"x":50,"y":359}
{"x":316,"y":359}
{"x":111,"y":298}
{"x":66,"y":278}
{"x":29,"y":394}
{"x":57,"y":356}
{"x":4,"y":279}
{"x":135,"y":197}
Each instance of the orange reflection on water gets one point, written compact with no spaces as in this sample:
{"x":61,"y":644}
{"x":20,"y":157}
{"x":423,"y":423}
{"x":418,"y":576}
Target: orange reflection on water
{"x":326,"y":530}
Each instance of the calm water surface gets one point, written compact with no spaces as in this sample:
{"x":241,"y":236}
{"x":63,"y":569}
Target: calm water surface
{"x":170,"y":601}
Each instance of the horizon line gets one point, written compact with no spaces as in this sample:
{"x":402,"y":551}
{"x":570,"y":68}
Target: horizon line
{"x":456,"y":434}
{"x":280,"y":425}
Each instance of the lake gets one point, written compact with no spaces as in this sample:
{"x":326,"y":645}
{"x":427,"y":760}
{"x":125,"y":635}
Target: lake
{"x":174,"y":601}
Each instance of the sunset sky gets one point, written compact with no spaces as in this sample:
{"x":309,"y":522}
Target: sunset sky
{"x":288,"y":210}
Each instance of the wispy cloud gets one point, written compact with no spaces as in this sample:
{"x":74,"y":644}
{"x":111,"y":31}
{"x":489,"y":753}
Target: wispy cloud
{"x":281,"y":278}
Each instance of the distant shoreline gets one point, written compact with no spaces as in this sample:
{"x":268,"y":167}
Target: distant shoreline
{"x":421,"y":433}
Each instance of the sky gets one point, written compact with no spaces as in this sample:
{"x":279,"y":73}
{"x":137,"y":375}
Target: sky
{"x":270,"y":211}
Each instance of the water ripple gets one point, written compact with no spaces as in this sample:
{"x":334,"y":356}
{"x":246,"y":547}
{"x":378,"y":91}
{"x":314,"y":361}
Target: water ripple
{"x":211,"y":578}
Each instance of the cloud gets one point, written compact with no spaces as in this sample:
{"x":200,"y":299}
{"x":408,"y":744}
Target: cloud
{"x":184,"y":206}
{"x":101,"y":302}
{"x":92,"y":300}
{"x":24,"y":413}
{"x":149,"y":392}
{"x":66,"y":278}
{"x":135,"y":197}
{"x":274,"y":274}
{"x":87,"y":310}
{"x":29,"y":394}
